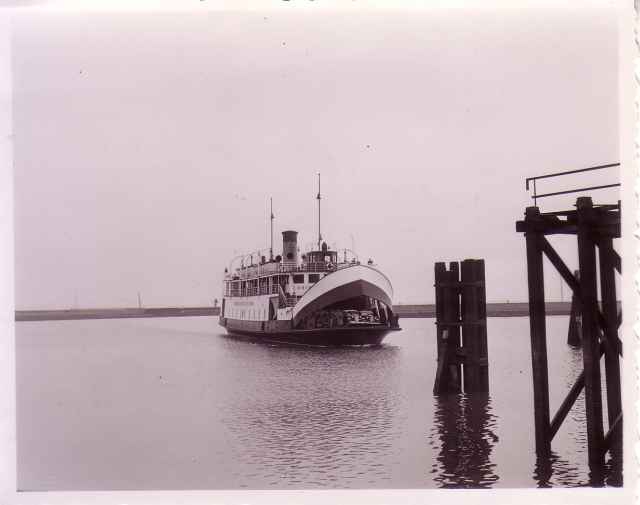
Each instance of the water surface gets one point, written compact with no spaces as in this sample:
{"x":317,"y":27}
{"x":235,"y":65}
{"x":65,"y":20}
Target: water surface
{"x":174,"y":404}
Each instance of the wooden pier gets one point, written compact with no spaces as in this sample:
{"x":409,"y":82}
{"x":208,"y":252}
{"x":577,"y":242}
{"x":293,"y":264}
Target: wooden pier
{"x":595,"y":227}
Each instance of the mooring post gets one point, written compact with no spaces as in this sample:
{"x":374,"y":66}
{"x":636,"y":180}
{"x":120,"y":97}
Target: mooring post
{"x":452,"y":316}
{"x":535,"y":275}
{"x":474,"y":327}
{"x":442,"y":338}
{"x":590,"y":340}
{"x":439,"y":274}
{"x":461,"y":291}
{"x":574,"y":336}
{"x":448,"y":374}
{"x":440,"y":384}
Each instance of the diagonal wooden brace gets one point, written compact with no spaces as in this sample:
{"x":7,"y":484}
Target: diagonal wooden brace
{"x":574,"y":284}
{"x":608,"y":438}
{"x":568,"y":402}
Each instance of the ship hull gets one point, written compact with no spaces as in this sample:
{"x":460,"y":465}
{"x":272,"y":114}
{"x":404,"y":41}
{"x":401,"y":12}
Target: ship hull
{"x":318,"y":337}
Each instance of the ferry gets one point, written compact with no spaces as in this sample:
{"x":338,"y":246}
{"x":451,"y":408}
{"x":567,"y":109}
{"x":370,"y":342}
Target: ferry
{"x":322,"y":297}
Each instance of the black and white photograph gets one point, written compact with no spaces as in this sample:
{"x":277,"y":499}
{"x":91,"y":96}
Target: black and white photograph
{"x":312,"y":246}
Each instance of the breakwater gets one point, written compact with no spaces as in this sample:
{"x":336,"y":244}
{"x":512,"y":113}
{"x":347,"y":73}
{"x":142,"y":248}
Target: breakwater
{"x":114,"y":313}
{"x":518,"y":309}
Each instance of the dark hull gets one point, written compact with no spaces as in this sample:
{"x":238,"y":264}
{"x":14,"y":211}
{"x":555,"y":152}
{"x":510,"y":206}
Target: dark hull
{"x":325,"y":337}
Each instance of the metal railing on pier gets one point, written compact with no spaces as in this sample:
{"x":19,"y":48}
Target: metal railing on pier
{"x":535,"y":195}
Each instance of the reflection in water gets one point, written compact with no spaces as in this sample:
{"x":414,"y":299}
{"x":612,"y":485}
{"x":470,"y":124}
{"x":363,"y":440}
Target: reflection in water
{"x":464,"y":426}
{"x":318,"y":417}
{"x":557,"y":470}
{"x":613,"y":469}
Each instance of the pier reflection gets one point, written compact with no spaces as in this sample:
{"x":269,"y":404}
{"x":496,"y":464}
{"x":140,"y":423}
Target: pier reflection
{"x":464,"y":427}
{"x":568,"y":465}
{"x":555,"y":470}
{"x":613,"y":469}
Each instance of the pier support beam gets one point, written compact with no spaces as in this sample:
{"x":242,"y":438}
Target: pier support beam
{"x":590,"y":343}
{"x":606,"y":255}
{"x":535,"y":276}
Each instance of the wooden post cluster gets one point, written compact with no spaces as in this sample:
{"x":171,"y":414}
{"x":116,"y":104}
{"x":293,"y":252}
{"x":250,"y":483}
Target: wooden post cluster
{"x":595,"y":228}
{"x":461,"y":317}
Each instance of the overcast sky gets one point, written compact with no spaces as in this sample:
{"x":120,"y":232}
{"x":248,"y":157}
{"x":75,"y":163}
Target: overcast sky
{"x":147,"y":145}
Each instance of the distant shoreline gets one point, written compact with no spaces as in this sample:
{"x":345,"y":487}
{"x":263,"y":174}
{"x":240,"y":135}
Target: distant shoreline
{"x":518,"y":309}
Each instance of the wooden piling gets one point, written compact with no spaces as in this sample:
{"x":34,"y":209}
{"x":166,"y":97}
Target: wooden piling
{"x":535,"y":275}
{"x":574,"y":336}
{"x":611,"y":356}
{"x":590,"y":341}
{"x":449,"y":373}
{"x":441,"y":385}
{"x":452,"y":317}
{"x":474,"y":326}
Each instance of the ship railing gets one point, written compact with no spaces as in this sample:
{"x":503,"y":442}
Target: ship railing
{"x":258,"y":270}
{"x":274,"y":289}
{"x":252,"y":272}
{"x":323,"y":267}
{"x":260,"y":290}
{"x":253,"y":291}
{"x":266,"y":290}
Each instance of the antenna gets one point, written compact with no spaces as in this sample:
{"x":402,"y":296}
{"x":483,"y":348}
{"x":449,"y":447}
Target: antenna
{"x":271,"y":247}
{"x":318,"y":197}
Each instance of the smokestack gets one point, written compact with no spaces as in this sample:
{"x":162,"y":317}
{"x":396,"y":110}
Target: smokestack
{"x":289,"y":248}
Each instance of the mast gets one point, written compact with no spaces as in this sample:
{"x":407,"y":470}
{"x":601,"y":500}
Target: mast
{"x":318,"y":197}
{"x":271,"y":246}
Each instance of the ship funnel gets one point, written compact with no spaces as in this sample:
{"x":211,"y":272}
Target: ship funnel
{"x":289,"y":248}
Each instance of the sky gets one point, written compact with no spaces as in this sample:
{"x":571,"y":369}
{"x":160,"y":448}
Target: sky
{"x":147,"y":145}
